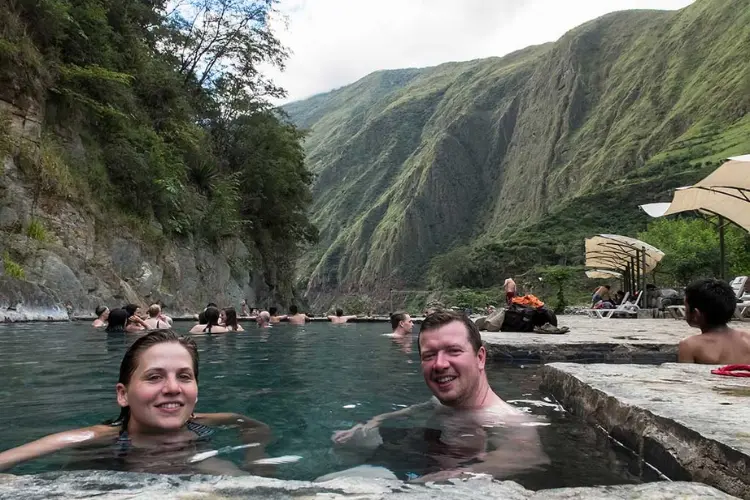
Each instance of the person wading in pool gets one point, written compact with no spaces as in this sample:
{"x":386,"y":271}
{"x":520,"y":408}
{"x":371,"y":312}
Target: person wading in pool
{"x":102,"y":314}
{"x":471,"y":429}
{"x":339,"y":318}
{"x":211,"y":317}
{"x":402,"y":326}
{"x":263,"y":319}
{"x":157,"y":430}
{"x":710,"y":305}
{"x":295,"y":317}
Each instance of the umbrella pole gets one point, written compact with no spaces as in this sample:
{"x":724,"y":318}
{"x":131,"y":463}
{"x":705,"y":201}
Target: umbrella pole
{"x":721,"y":248}
{"x":643,"y":270}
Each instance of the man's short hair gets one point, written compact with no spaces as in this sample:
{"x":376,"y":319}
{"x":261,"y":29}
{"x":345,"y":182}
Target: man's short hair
{"x":154,"y":310}
{"x":100,"y":310}
{"x":441,"y":318}
{"x":339,"y":312}
{"x":293,"y":309}
{"x":397,"y":318}
{"x":714,"y":298}
{"x":272,"y":311}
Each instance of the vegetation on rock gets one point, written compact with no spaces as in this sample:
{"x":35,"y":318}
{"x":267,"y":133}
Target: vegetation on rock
{"x":157,"y":111}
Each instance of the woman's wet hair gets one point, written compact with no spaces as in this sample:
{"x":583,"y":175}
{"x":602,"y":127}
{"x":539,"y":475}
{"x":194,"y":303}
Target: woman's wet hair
{"x":118,"y":318}
{"x":231,"y":321}
{"x":131,"y":309}
{"x":212,"y":318}
{"x":100,"y":310}
{"x":130,"y":362}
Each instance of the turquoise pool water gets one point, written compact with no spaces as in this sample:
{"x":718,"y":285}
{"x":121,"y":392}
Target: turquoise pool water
{"x":305,"y":382}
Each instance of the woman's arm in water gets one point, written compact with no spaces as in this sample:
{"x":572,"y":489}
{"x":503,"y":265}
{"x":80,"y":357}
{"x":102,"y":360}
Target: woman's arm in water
{"x":250,"y":430}
{"x":55,"y":442}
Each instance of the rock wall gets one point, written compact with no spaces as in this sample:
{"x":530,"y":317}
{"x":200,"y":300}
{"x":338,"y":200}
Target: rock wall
{"x":88,"y":261}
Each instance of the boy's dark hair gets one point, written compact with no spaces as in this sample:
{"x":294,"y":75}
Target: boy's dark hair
{"x":442,"y":318}
{"x":714,"y":298}
{"x":293,"y":309}
{"x":272,"y":311}
{"x":397,"y":318}
{"x":339,"y":312}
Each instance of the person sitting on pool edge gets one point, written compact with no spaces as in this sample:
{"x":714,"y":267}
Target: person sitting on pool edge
{"x":710,"y":305}
{"x":339,"y":318}
{"x":102,"y":313}
{"x":157,"y":391}
{"x":472,"y":428}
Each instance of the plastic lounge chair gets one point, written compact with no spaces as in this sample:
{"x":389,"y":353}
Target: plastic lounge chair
{"x":624,"y":308}
{"x":743,"y":299}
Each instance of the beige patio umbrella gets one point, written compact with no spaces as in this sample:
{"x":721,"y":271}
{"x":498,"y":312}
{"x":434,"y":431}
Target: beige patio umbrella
{"x":631,"y":257}
{"x":602,"y":274}
{"x":725,"y":193}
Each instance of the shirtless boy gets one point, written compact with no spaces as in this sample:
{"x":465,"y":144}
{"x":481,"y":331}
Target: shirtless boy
{"x":709,"y":305}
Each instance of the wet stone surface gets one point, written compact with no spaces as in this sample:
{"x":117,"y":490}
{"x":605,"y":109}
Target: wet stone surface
{"x":121,"y":485}
{"x":685,"y":421}
{"x":593,"y":340}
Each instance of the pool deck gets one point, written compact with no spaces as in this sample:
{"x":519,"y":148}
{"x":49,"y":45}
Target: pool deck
{"x":685,"y":421}
{"x":594,"y":340}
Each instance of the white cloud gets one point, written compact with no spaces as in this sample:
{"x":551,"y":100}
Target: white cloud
{"x":336,"y":42}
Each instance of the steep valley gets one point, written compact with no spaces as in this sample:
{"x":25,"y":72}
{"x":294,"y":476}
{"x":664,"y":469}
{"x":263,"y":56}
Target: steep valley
{"x":459,"y":174}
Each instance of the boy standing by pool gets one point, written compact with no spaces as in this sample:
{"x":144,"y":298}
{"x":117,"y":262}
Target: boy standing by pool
{"x":709,"y":305}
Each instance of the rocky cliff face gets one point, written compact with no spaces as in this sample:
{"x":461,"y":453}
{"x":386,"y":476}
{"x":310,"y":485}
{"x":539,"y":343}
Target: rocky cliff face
{"x":73,"y":255}
{"x":412,"y":163}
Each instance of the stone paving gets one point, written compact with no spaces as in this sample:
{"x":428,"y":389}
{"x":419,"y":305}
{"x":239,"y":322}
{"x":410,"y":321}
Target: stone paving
{"x":687,"y":422}
{"x":594,"y":340}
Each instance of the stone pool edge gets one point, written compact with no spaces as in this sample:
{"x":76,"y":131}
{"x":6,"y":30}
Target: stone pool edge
{"x":130,"y":485}
{"x":602,"y":352}
{"x":679,"y":452}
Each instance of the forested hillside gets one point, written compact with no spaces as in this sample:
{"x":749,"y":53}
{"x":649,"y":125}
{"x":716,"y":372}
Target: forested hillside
{"x":154,"y":117}
{"x":461,"y":174}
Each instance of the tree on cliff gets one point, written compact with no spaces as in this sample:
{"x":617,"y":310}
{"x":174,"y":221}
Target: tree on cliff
{"x":168,"y":100}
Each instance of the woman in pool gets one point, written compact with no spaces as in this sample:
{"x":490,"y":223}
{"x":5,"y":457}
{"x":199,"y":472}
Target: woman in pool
{"x":118,"y":322}
{"x":102,"y":313}
{"x":212,"y":323}
{"x":157,"y":430}
{"x":229,"y":320}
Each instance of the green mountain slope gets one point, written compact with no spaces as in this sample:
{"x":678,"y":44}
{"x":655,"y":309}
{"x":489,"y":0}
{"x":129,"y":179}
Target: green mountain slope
{"x":502,"y":164}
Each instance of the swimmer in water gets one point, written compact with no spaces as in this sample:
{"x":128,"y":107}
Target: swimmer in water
{"x":473,"y":430}
{"x":211,"y":317}
{"x":156,"y":320}
{"x":339,"y":318}
{"x":117,"y":321}
{"x":263,"y":319}
{"x":229,"y":320}
{"x":135,"y":322}
{"x":276,"y":318}
{"x":157,"y":430}
{"x":402,"y":326}
{"x":295,"y":317}
{"x":102,"y":313}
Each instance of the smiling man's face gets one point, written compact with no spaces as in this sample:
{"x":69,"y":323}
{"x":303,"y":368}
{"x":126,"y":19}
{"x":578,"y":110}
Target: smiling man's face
{"x":451,"y":368}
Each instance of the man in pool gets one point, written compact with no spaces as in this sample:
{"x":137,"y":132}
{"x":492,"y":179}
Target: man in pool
{"x":402,"y":326}
{"x":339,"y":318}
{"x":709,"y":305}
{"x":471,"y":428}
{"x":102,"y":314}
{"x":263,"y":319}
{"x":295,"y":317}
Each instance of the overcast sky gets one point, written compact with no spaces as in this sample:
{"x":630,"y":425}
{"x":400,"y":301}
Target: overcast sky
{"x":336,"y":42}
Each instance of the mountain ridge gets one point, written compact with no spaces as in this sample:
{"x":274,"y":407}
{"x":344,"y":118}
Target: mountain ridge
{"x":411,"y":165}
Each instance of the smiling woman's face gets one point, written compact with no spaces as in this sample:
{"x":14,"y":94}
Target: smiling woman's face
{"x":162,"y":390}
